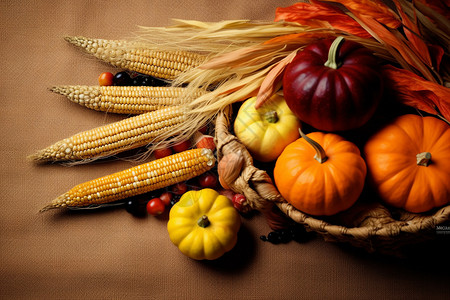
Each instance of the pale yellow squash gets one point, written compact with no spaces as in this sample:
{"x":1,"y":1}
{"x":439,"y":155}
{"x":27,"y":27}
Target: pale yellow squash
{"x":266,"y":131}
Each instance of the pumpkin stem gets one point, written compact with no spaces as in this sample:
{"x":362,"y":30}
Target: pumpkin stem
{"x":203,"y":221}
{"x":332,"y":61}
{"x":320,"y":153}
{"x":271,"y":116}
{"x":423,"y":159}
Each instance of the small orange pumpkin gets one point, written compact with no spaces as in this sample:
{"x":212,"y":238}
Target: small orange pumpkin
{"x":320,"y":174}
{"x":409,"y":163}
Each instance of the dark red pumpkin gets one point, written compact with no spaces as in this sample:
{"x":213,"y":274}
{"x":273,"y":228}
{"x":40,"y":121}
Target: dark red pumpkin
{"x":333,"y":85}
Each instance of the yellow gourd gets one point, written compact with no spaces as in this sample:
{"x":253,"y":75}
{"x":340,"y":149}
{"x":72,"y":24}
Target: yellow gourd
{"x":204,"y":224}
{"x":266,"y":131}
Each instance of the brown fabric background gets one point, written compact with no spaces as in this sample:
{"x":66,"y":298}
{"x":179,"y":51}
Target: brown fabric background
{"x":110,"y":254}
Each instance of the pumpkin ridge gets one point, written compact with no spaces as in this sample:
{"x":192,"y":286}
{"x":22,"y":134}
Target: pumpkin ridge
{"x":219,"y":207}
{"x":441,"y":148}
{"x":412,"y":142}
{"x":199,"y":239}
{"x":273,"y":130}
{"x":405,"y":163}
{"x":204,"y":206}
{"x":225,"y":243}
{"x":340,"y":169}
{"x":311,"y":80}
{"x":220,"y":215}
{"x":313,"y":188}
{"x":183,"y":232}
{"x":351,"y":76}
{"x":420,"y":182}
{"x":319,"y":53}
{"x":442,"y":186}
{"x":334,"y":144}
{"x":330,"y":180}
{"x":208,"y":239}
{"x":410,"y":189}
{"x":301,"y":170}
{"x":344,"y":89}
{"x":326,"y":85}
{"x":407,"y":183}
{"x":437,"y":140}
{"x":184,"y":244}
{"x":254,"y":128}
{"x":292,"y":193}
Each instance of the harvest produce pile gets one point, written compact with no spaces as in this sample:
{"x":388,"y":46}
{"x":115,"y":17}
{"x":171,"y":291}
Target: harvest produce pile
{"x":333,"y":118}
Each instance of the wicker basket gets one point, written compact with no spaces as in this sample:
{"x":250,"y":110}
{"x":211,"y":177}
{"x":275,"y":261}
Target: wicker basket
{"x":368,"y":224}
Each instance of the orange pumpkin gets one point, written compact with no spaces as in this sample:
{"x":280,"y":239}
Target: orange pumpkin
{"x":409,"y":163}
{"x":320,"y":174}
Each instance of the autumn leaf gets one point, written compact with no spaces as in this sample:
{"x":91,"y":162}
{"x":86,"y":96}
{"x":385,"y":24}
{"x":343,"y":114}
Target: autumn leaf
{"x":414,"y":91}
{"x":374,"y":9}
{"x":320,"y":15}
{"x":413,"y":34}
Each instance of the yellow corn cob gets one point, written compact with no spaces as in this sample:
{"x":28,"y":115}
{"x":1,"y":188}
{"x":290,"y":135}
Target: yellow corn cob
{"x":124,"y":99}
{"x":125,"y":55}
{"x":116,"y":137}
{"x":141,"y":179}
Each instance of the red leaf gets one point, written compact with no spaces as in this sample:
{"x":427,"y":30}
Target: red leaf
{"x":393,"y":39}
{"x":413,"y":34}
{"x":320,"y":15}
{"x":440,"y":6}
{"x":372,"y":8}
{"x":436,"y":53}
{"x":417,"y":92}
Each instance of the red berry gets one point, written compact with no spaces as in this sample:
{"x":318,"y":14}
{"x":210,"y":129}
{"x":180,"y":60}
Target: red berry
{"x":155,"y":207}
{"x":182,"y":146}
{"x":166,"y":197}
{"x":239,"y":202}
{"x":207,"y":180}
{"x":179,"y":188}
{"x":206,"y":141}
{"x":160,"y":153}
{"x":106,"y":78}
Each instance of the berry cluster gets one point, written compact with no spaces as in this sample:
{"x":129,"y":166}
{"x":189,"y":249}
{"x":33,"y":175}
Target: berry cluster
{"x":124,"y":78}
{"x":295,"y":233}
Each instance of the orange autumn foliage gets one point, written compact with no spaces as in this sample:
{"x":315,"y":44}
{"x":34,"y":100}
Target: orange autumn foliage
{"x":374,"y":9}
{"x":414,"y":91}
{"x":320,"y":15}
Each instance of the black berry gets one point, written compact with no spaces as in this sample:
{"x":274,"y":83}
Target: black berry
{"x":285,"y":236}
{"x":273,"y":237}
{"x":298,"y":233}
{"x":122,"y":79}
{"x":135,"y":207}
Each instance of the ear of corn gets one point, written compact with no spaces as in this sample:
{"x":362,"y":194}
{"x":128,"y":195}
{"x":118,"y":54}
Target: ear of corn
{"x":141,"y":179}
{"x":124,"y":99}
{"x":116,"y":137}
{"x":125,"y":55}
